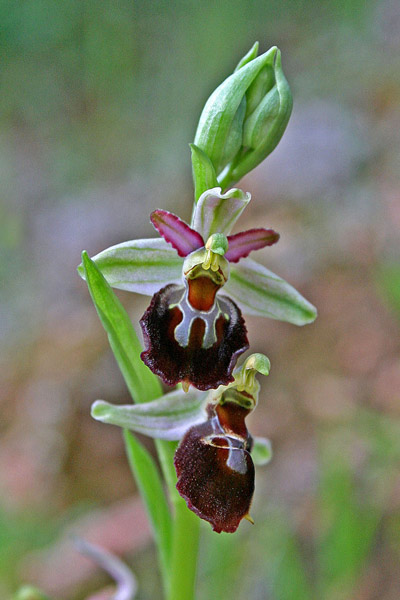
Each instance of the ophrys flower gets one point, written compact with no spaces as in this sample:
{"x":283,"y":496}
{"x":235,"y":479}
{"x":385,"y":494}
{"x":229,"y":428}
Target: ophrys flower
{"x":193,"y":332}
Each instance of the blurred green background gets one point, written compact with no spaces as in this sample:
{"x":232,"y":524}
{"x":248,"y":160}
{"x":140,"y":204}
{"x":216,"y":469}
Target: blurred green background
{"x":99,"y":101}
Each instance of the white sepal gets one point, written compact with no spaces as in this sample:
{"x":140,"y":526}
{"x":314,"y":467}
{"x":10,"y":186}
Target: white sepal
{"x":258,"y":291}
{"x":217,"y":213}
{"x":141,"y":266}
{"x":166,"y":418}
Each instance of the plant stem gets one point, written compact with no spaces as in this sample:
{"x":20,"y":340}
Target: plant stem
{"x":185,"y":544}
{"x":185,"y":534}
{"x":166,"y":451}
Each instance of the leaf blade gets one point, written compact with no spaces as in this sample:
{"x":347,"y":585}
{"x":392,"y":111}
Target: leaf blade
{"x":151,"y":490}
{"x":141,"y":382}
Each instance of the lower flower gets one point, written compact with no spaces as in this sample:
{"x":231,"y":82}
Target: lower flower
{"x":214,"y":467}
{"x":213,"y":462}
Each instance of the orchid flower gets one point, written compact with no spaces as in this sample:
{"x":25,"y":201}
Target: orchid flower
{"x":193,"y":333}
{"x":213,"y":461}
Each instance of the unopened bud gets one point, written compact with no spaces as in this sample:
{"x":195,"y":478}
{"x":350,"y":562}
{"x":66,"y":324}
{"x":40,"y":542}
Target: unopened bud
{"x":244,"y":118}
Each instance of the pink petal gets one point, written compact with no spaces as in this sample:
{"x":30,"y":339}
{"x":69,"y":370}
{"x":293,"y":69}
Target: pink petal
{"x":181,"y":237}
{"x":241,"y":244}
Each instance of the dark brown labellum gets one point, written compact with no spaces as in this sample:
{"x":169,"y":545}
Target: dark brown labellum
{"x":215,"y":470}
{"x":193,"y":346}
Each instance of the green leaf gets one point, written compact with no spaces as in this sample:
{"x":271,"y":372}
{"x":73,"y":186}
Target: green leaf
{"x":167,"y":418}
{"x":204,"y":176}
{"x":141,"y":382}
{"x":260,"y":292}
{"x":151,"y":490}
{"x":141,"y":266}
{"x":261,"y":451}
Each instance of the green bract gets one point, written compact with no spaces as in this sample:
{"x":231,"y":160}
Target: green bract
{"x":242,"y":121}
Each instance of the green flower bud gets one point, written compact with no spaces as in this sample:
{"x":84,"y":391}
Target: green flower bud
{"x":245,"y":117}
{"x":269,"y":105}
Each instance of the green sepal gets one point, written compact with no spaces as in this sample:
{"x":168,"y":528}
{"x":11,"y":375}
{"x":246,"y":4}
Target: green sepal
{"x":261,"y":120}
{"x":260,"y":292}
{"x":204,"y":176}
{"x":259,"y":88}
{"x":234,"y":139}
{"x":217,"y":213}
{"x":152,"y":493}
{"x":251,"y":55}
{"x":142,"y":383}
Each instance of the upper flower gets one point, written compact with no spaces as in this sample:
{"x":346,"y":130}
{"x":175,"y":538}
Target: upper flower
{"x":193,"y":333}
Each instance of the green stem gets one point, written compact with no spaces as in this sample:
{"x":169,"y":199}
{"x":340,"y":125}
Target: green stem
{"x":166,"y":451}
{"x":185,"y":533}
{"x":185,"y":544}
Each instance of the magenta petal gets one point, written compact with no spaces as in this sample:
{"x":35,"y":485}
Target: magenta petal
{"x":204,"y":368}
{"x":241,"y":244}
{"x":215,"y":470}
{"x":181,"y":237}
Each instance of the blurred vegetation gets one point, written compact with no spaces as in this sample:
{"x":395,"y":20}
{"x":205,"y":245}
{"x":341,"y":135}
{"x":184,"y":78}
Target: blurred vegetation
{"x":99,"y":102}
{"x":347,"y":521}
